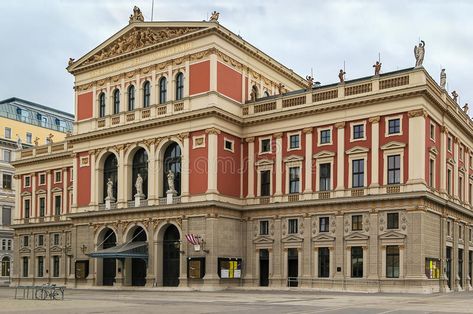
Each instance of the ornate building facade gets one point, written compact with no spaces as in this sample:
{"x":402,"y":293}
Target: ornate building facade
{"x":197,"y":160}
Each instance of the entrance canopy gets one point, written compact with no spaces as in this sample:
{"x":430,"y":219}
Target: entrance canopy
{"x":137,"y":249}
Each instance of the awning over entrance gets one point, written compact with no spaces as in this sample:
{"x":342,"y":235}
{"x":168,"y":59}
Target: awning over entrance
{"x":137,"y":249}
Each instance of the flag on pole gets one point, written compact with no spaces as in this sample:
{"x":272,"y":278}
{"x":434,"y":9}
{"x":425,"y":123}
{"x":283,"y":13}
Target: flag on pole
{"x":193,"y":239}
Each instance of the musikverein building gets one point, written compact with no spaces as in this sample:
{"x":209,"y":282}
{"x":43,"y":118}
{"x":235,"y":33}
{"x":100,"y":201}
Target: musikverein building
{"x":197,"y":160}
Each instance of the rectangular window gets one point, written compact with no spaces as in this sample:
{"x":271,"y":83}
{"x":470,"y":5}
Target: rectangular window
{"x":4,"y":244}
{"x":27,"y":208}
{"x":264,"y":227}
{"x":27,"y":181}
{"x":324,"y":177}
{"x":7,"y":182}
{"x":29,"y":138}
{"x":323,"y":224}
{"x":40,"y":266}
{"x":42,"y":206}
{"x":25,"y":266}
{"x":9,"y":245}
{"x":294,"y":141}
{"x":460,"y":267}
{"x":26,"y":241}
{"x":461,"y":153}
{"x":294,"y":180}
{"x":449,"y":144}
{"x":356,"y":262}
{"x":7,"y":132}
{"x":460,"y":188}
{"x":358,"y":170}
{"x":228,"y":145}
{"x":356,"y":222}
{"x":57,"y":176}
{"x":55,"y":266}
{"x":57,"y":205}
{"x":42,"y":179}
{"x":358,"y":131}
{"x":325,"y":136}
{"x":324,"y":262}
{"x":393,"y":220}
{"x":470,"y":266}
{"x":56,"y":239}
{"x":431,"y":172}
{"x":392,"y":261}
{"x":449,"y":181}
{"x":40,"y":240}
{"x":394,"y":169}
{"x":6,"y":215}
{"x":265,"y":182}
{"x":432,"y":132}
{"x":292,"y":226}
{"x":394,"y":126}
{"x":266,"y":145}
{"x":449,"y":232}
{"x":6,"y":155}
{"x":470,"y":194}
{"x":460,"y":232}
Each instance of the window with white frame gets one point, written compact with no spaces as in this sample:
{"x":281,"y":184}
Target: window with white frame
{"x":358,"y":131}
{"x":394,"y":169}
{"x":460,"y":187}
{"x":432,"y":172}
{"x":42,"y":179}
{"x":6,"y":155}
{"x":58,"y":176}
{"x":7,"y":132}
{"x":228,"y":145}
{"x":460,"y":154}
{"x":264,"y":227}
{"x":358,"y":173}
{"x":292,"y":226}
{"x":324,"y":224}
{"x":294,"y":180}
{"x":449,"y":181}
{"x":29,"y":138}
{"x":27,"y":181}
{"x":449,"y":143}
{"x":265,"y":182}
{"x":264,"y":145}
{"x":394,"y":126}
{"x":57,"y":204}
{"x":42,"y":206}
{"x":294,"y":141}
{"x":325,"y":170}
{"x":325,"y":136}
{"x":26,"y":207}
{"x":432,"y":131}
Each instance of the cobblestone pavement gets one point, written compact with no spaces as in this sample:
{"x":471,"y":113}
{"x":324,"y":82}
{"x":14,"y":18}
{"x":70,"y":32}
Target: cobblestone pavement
{"x":237,"y":302}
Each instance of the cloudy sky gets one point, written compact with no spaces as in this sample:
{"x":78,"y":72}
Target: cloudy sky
{"x":38,"y":37}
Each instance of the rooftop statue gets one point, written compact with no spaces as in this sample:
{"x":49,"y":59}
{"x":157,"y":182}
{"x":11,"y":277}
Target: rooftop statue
{"x":443,"y":79}
{"x":280,"y":88}
{"x":419,"y":52}
{"x":214,"y":17}
{"x":465,"y":108}
{"x":310,"y":82}
{"x":137,"y":16}
{"x":454,"y":96}
{"x":341,"y":76}
{"x":377,"y":67}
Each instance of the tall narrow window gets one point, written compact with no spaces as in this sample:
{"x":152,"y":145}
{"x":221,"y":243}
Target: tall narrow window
{"x":294,"y":180}
{"x":449,"y":181}
{"x":55,"y":266}
{"x":42,"y":206}
{"x":265,"y":182}
{"x":460,"y":267}
{"x":27,"y":208}
{"x":102,"y":105}
{"x":264,"y":227}
{"x":179,"y":86}
{"x":7,"y":181}
{"x":292,"y":226}
{"x":358,"y":173}
{"x":392,"y":261}
{"x":25,"y":266}
{"x":116,"y":101}
{"x":57,"y":205}
{"x":110,"y":171}
{"x":5,"y":266}
{"x":40,"y":266}
{"x":431,"y":172}
{"x":394,"y":169}
{"x":356,"y":261}
{"x":393,"y":220}
{"x":324,"y":177}
{"x":146,"y":94}
{"x":131,"y":98}
{"x":460,"y":188}
{"x":324,"y":224}
{"x":162,"y":90}
{"x":356,"y":222}
{"x":172,"y":162}
{"x":324,"y":262}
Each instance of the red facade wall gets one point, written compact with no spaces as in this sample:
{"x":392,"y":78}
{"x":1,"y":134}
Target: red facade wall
{"x":229,"y":82}
{"x":228,"y":166}
{"x":84,"y":106}
{"x":83,"y":183}
{"x":198,"y":166}
{"x":199,"y":78}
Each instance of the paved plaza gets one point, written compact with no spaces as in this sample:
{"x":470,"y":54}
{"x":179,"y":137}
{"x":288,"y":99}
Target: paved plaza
{"x":237,"y":301}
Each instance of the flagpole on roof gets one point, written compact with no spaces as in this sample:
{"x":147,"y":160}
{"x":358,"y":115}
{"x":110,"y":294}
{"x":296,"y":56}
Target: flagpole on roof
{"x":152,"y":10}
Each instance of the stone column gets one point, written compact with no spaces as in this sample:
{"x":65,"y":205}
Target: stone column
{"x":373,"y":271}
{"x":93,"y":179}
{"x":48,"y":195}
{"x":151,"y":256}
{"x":339,"y":247}
{"x":213,"y":72}
{"x":443,"y":159}
{"x":455,"y":180}
{"x":122,"y":196}
{"x":251,"y":167}
{"x":33,"y":212}
{"x":186,"y":79}
{"x":212,"y":167}
{"x":74,"y":182}
{"x":65,"y":192}
{"x":151,"y":172}
{"x":374,"y":151}
{"x":306,"y":253}
{"x":308,"y":160}
{"x":185,"y":160}
{"x":340,"y":156}
{"x":211,"y":243}
{"x":152,"y":92}
{"x":183,"y":281}
{"x":279,"y":179}
{"x":250,"y":273}
{"x":276,"y":278}
{"x":416,"y":147}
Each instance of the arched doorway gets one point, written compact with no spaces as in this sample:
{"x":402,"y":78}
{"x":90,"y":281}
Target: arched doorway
{"x":140,"y":165}
{"x":109,"y":264}
{"x":138,"y":265}
{"x":172,"y":161}
{"x":110,"y":171}
{"x":171,"y":257}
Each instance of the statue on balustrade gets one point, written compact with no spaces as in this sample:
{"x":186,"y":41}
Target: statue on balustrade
{"x":443,"y":79}
{"x":419,"y":52}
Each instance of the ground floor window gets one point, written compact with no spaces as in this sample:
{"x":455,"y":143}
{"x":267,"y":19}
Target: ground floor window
{"x":5,"y":267}
{"x":392,"y":261}
{"x":324,"y":262}
{"x":470,"y":266}
{"x":356,"y":261}
{"x":55,"y":266}
{"x":25,"y":266}
{"x":40,"y":266}
{"x":460,"y":266}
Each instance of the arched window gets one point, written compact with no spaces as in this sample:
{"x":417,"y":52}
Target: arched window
{"x":5,"y":266}
{"x":102,"y":105}
{"x":172,"y":161}
{"x":254,"y":93}
{"x":140,"y":165}
{"x":131,"y":98}
{"x":266,"y":93}
{"x":179,"y":86}
{"x":116,"y":101}
{"x":110,"y":170}
{"x":162,"y":90}
{"x":146,"y":94}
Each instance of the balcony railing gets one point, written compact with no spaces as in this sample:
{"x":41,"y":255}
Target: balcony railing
{"x":44,"y":150}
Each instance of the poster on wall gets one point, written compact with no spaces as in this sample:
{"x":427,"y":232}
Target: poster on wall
{"x":229,"y":267}
{"x":196,"y":267}
{"x":432,"y":268}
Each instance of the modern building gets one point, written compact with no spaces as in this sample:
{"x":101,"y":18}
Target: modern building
{"x":197,"y":160}
{"x":22,"y":123}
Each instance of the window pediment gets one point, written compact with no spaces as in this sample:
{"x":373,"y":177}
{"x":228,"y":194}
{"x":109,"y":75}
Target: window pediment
{"x":392,"y":235}
{"x":356,"y":236}
{"x":263,"y":240}
{"x":264,"y":162}
{"x":41,"y":191}
{"x":357,"y":150}
{"x":434,"y":150}
{"x":324,"y":154}
{"x":292,"y":158}
{"x":56,"y":189}
{"x":393,"y":145}
{"x":25,"y":250}
{"x":26,"y":194}
{"x":292,"y":239}
{"x":323,"y":238}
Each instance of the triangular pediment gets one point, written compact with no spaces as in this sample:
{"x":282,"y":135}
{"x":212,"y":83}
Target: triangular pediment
{"x":56,"y":189}
{"x":357,"y":150}
{"x":292,"y":239}
{"x":462,"y":169}
{"x":324,"y":154}
{"x":40,"y":249}
{"x":356,"y":236}
{"x":137,"y":37}
{"x":55,"y":249}
{"x":392,"y":235}
{"x":263,"y":240}
{"x":433,"y":150}
{"x":25,"y":250}
{"x":393,"y":145}
{"x":292,"y":158}
{"x":264,"y":162}
{"x":322,"y":237}
{"x":41,"y":191}
{"x":26,"y":193}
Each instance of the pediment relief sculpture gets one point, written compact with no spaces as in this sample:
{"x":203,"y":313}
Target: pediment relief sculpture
{"x":292,"y":239}
{"x":138,"y":38}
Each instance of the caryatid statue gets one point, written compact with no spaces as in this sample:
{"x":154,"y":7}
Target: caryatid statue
{"x":419,"y":52}
{"x":110,"y":189}
{"x":139,"y":185}
{"x":443,"y":79}
{"x":170,"y":176}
